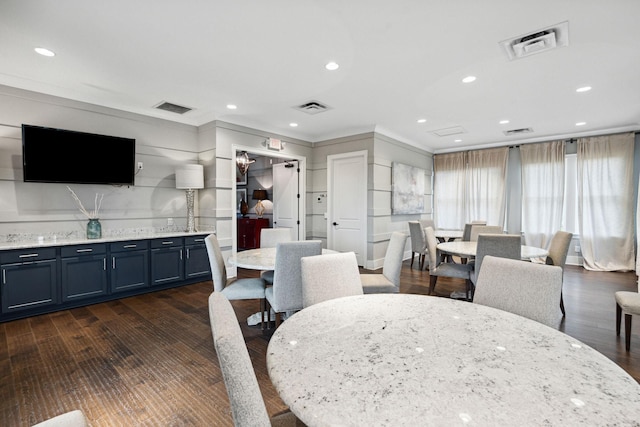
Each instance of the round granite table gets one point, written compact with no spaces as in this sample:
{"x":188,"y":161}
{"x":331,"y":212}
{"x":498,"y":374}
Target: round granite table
{"x":401,"y":359}
{"x":468,"y":250}
{"x":260,"y":259}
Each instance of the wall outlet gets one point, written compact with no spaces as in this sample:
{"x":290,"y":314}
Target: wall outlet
{"x":169,"y":222}
{"x":140,"y":166}
{"x":577,"y":249}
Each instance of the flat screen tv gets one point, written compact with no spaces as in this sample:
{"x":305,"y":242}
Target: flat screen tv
{"x":66,"y":156}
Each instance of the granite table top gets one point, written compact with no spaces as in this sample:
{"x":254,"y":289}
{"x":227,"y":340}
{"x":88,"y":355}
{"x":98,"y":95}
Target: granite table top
{"x":259,"y":259}
{"x":468,"y":250}
{"x":402,"y":359}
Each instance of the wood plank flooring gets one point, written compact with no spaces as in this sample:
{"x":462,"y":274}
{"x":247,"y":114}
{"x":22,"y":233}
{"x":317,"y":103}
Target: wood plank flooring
{"x":149,"y":360}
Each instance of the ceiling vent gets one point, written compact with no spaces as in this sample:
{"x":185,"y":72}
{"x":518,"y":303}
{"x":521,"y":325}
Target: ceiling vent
{"x":173,"y":108}
{"x":539,"y":41}
{"x":312,"y":107}
{"x":449,"y":131}
{"x":517,"y":131}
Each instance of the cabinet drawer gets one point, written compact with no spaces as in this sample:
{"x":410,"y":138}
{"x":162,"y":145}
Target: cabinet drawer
{"x":194,"y":240}
{"x":130,"y":245}
{"x":79,"y":250}
{"x":26,"y":255}
{"x":168,"y":242}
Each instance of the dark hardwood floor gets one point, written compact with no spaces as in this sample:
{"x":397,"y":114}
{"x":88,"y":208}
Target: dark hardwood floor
{"x":149,"y":360}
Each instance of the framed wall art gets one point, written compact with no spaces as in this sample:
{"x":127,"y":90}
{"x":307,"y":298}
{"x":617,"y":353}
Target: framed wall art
{"x":407,"y":189}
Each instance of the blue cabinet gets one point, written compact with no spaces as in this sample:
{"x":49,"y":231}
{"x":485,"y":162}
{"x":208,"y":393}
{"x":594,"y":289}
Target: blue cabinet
{"x":83,"y":271}
{"x":129,"y":265}
{"x":196,"y":258}
{"x":29,"y":279}
{"x":167,"y":260}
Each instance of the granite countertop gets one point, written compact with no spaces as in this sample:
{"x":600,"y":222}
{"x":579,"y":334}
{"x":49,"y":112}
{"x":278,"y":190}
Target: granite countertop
{"x":22,"y":241}
{"x":418,"y":360}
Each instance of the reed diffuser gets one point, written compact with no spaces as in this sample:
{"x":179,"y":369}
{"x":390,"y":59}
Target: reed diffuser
{"x":94,"y":228}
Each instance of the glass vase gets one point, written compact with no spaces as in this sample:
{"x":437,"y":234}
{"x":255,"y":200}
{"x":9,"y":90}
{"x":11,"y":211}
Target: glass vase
{"x":94,"y":229}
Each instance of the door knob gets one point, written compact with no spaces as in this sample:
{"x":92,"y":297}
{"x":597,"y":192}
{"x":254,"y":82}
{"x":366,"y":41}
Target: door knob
{"x":335,"y":223}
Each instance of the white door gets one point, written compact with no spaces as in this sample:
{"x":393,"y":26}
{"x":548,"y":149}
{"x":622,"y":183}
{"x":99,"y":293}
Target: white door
{"x":347,"y":203}
{"x":287,"y":198}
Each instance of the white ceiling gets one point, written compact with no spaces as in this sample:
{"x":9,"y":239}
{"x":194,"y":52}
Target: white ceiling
{"x":400,"y":61}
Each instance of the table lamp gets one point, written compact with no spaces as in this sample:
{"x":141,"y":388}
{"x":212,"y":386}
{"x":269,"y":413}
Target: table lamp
{"x":259,"y":195}
{"x":189,"y":178}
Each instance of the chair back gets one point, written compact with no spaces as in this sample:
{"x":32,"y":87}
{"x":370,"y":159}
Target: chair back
{"x":270,"y":237}
{"x":484,"y":229}
{"x":216,"y":261}
{"x":427,"y":223}
{"x":392,"y":265}
{"x":432,"y":244}
{"x":287,"y":275}
{"x":73,"y":418}
{"x":497,"y":245}
{"x":247,"y":405}
{"x":416,"y":231}
{"x":466,"y":234}
{"x":330,"y":276}
{"x":559,"y":248}
{"x":524,"y":288}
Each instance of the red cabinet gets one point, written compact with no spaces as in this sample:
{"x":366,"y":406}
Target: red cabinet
{"x":249,"y":232}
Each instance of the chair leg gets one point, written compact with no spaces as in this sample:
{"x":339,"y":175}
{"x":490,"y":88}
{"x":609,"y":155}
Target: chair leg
{"x":263,"y":302}
{"x":432,"y":283}
{"x":413,"y":255}
{"x":422,"y":258}
{"x":562,"y":304}
{"x":470,"y":290}
{"x":278,"y":319}
{"x":618,"y":318}
{"x":627,"y":331}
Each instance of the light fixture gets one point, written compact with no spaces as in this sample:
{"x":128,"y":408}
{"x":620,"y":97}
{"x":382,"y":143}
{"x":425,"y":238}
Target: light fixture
{"x":332,"y":66}
{"x":243,"y":162}
{"x":457,"y":140}
{"x":44,"y":52}
{"x":422,"y":120}
{"x":583,"y":89}
{"x":189,"y":178}
{"x":581,"y":123}
{"x":504,"y":122}
{"x":469,"y":79}
{"x":293,"y":125}
{"x":232,"y":106}
{"x":259,"y":195}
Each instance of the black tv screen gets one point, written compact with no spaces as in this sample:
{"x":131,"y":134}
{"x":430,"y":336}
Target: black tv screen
{"x":65,"y":156}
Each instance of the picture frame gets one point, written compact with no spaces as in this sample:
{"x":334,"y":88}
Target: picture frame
{"x":241,"y":179}
{"x":241,"y":193}
{"x":407,"y":185}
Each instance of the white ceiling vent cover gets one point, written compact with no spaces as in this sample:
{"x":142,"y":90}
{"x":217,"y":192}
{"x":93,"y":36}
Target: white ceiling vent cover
{"x":517,"y":131}
{"x":173,"y":108}
{"x":312,"y":107}
{"x":539,"y":41}
{"x":456,"y":130}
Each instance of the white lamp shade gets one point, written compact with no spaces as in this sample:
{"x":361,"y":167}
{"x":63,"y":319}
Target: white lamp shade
{"x":190,"y":177}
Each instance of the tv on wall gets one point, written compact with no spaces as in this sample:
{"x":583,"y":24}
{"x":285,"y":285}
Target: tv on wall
{"x":66,"y":156}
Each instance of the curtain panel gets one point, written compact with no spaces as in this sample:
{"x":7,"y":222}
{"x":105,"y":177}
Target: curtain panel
{"x":486,"y":185}
{"x":449,"y":185}
{"x":605,"y":202}
{"x":542,"y":191}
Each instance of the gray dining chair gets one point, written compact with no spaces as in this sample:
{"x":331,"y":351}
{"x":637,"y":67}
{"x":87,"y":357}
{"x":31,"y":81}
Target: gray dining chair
{"x":418,"y":243}
{"x":247,"y":404}
{"x":389,"y":280}
{"x":286,"y":293}
{"x":439,"y":268}
{"x":269,"y":238}
{"x":558,"y":250}
{"x":528,"y":289}
{"x":629,"y":304}
{"x":239,"y":289}
{"x":330,"y":276}
{"x":484,"y":229}
{"x":74,"y":418}
{"x":498,"y":245}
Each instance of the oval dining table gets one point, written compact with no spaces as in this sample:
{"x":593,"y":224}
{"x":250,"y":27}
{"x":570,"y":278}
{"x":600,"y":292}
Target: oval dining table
{"x":408,"y":360}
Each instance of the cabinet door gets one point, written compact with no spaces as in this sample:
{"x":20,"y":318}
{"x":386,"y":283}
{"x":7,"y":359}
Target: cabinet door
{"x":197,"y":262}
{"x":167,"y":265}
{"x":83,"y":277}
{"x":129,"y":270}
{"x":28,"y":285}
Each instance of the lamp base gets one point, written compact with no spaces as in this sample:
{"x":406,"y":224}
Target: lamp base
{"x":259,"y":209}
{"x":191,"y":222}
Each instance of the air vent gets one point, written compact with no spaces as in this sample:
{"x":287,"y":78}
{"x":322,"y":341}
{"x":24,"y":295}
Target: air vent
{"x":539,"y":41}
{"x":517,"y":131}
{"x":173,"y":108}
{"x":449,"y":131}
{"x":312,"y":107}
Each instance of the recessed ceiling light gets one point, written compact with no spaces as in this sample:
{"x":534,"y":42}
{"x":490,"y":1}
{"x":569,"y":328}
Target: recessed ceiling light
{"x":422,"y":120}
{"x":293,"y":125}
{"x":583,"y":89}
{"x":504,"y":122}
{"x":332,"y":66}
{"x":581,"y":123}
{"x":44,"y":52}
{"x":469,"y":79}
{"x":232,"y":106}
{"x":457,"y":140}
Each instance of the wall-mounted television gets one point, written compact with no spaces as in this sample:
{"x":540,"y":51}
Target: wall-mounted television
{"x":66,"y":156}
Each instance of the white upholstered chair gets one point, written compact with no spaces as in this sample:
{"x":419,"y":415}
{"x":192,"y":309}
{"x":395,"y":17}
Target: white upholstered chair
{"x":524,"y":288}
{"x":498,"y":245}
{"x":69,"y":419}
{"x":438,"y":268}
{"x":330,"y":276}
{"x":250,"y":288}
{"x":629,"y":304}
{"x":477,"y":229}
{"x":286,"y":293}
{"x":269,"y":238}
{"x":389,"y":280}
{"x":247,"y":405}
{"x":418,"y":243}
{"x":558,"y":250}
